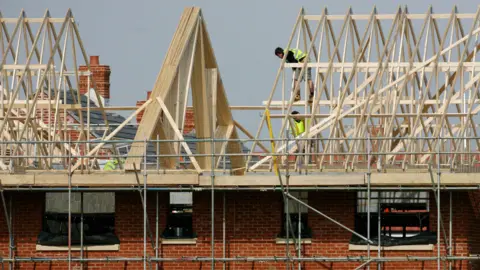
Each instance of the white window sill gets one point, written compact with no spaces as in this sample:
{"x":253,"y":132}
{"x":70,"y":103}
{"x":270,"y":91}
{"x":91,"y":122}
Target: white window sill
{"x":184,"y":241}
{"x":405,"y":247}
{"x":290,"y":241}
{"x":115,"y":247}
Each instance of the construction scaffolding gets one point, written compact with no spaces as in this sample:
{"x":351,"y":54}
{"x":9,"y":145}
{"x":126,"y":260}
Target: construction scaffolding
{"x":391,"y":112}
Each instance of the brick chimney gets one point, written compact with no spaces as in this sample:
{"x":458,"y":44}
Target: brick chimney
{"x":101,"y":76}
{"x":189,"y":124}
{"x":140,"y":103}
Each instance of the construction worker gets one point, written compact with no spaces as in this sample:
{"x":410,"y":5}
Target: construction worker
{"x":297,"y":56}
{"x":299,"y":124}
{"x":112,"y":165}
{"x":298,"y":128}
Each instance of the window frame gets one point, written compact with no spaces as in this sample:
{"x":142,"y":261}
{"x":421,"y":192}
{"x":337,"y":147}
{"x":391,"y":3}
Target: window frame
{"x":184,"y":232}
{"x":399,"y":223}
{"x":306,"y":232}
{"x":99,"y":226}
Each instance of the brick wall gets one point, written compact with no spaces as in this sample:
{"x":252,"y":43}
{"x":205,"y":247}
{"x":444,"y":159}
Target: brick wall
{"x":101,"y":76}
{"x":189,"y":124}
{"x":140,"y":103}
{"x":252,"y":224}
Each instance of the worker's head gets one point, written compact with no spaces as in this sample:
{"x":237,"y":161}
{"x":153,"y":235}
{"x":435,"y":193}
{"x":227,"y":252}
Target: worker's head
{"x":296,"y":116}
{"x":279,"y":52}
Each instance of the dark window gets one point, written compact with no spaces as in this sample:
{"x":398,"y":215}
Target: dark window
{"x":298,"y":215}
{"x":98,"y":219}
{"x":179,"y":219}
{"x":403,"y":214}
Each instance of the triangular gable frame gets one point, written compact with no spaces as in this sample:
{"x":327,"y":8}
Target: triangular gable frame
{"x":189,"y":63}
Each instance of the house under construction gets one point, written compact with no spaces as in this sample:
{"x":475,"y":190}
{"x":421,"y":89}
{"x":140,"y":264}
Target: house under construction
{"x":384,"y":175}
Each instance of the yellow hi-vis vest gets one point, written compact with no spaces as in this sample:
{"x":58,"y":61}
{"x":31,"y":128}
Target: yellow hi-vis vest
{"x":112,"y":164}
{"x":298,"y":54}
{"x":109,"y":166}
{"x":299,"y":127}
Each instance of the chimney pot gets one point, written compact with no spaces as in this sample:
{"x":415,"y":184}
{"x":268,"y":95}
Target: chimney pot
{"x":94,"y":60}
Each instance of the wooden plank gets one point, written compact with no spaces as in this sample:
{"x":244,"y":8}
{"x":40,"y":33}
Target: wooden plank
{"x":22,"y":67}
{"x":222,"y":132}
{"x":201,"y":105}
{"x":165,"y":148}
{"x":423,"y":179}
{"x":379,"y":101}
{"x":120,"y":179}
{"x":322,"y":179}
{"x":96,"y":180}
{"x":32,"y":20}
{"x":359,"y":17}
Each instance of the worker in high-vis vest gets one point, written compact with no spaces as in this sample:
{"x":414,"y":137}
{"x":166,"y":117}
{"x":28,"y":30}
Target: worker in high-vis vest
{"x":112,"y":165}
{"x":109,"y":166}
{"x":299,"y":124}
{"x":297,"y":56}
{"x":298,"y":128}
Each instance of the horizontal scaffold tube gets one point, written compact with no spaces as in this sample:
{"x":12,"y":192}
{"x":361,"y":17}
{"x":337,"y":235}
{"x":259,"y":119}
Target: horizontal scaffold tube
{"x":245,"y":259}
{"x":199,"y":189}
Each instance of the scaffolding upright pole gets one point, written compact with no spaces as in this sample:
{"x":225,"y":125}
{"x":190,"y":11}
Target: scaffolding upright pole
{"x":9,"y":225}
{"x":212,"y":173}
{"x":145,"y":207}
{"x":69,"y":209}
{"x":157,"y":159}
{"x":12,"y":237}
{"x":438,"y":205}
{"x":285,"y":201}
{"x":81,"y":226}
{"x":224,"y":251}
{"x":450,"y":230}
{"x":369,"y":173}
{"x":287,"y":219}
{"x":379,"y":209}
{"x":156,"y":227}
{"x":299,"y":251}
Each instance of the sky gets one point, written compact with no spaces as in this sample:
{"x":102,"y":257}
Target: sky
{"x":133,"y":37}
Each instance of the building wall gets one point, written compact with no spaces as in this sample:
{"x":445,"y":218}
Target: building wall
{"x":253,"y":220}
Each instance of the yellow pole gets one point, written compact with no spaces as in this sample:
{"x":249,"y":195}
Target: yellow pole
{"x":270,"y":131}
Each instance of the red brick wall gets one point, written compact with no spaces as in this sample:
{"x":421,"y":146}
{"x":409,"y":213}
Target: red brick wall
{"x":252,"y":223}
{"x":101,"y":76}
{"x":140,"y":103}
{"x":189,"y":124}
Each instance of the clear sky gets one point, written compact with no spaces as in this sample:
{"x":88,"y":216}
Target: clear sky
{"x":133,"y":37}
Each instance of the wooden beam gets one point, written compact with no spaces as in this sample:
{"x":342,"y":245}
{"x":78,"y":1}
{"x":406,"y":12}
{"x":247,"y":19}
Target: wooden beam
{"x":200,"y":100}
{"x":179,"y":135}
